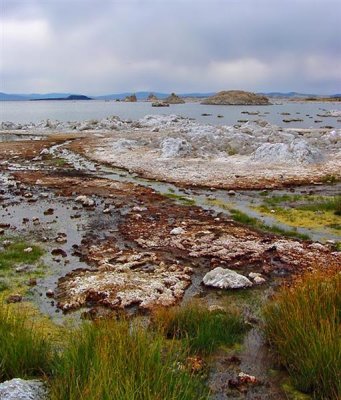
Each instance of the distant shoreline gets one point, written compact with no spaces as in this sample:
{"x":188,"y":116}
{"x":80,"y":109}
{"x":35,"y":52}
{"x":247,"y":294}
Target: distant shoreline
{"x":71,"y":97}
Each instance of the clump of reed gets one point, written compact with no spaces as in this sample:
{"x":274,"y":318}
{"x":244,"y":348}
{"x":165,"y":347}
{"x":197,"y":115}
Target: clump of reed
{"x":115,"y":360}
{"x":303,"y":324}
{"x":24,"y":351}
{"x":202,"y":329}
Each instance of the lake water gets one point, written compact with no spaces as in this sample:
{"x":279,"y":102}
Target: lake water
{"x":35,"y":111}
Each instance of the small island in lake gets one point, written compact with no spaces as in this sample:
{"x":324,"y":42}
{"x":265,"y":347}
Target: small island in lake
{"x":71,"y":97}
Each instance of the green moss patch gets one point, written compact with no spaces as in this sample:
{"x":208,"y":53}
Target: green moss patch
{"x":17,"y":253}
{"x":187,"y":201}
{"x":304,"y":211}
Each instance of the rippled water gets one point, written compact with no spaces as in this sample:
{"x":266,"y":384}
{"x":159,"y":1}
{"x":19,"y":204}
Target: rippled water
{"x":34,"y":111}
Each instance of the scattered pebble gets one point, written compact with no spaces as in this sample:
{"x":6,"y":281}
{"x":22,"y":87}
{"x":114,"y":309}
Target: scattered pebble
{"x":177,"y":231}
{"x":14,"y":298}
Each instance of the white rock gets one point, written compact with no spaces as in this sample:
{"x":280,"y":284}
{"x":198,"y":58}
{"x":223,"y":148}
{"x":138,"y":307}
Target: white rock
{"x":89,"y":202}
{"x":254,"y":275}
{"x":317,"y":246}
{"x":226,"y":279}
{"x":177,"y":231}
{"x":80,"y":199}
{"x":175,"y":147}
{"x":28,"y":250}
{"x":122,"y":145}
{"x":44,"y":152}
{"x":20,"y":389}
{"x":331,"y":113}
{"x":258,"y":280}
{"x":298,"y":152}
{"x":86,"y":201}
{"x":139,"y":209}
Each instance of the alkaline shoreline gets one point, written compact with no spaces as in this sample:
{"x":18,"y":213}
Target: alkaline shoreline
{"x":189,"y":281}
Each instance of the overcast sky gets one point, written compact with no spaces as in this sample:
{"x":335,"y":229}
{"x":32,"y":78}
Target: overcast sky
{"x":109,"y":46}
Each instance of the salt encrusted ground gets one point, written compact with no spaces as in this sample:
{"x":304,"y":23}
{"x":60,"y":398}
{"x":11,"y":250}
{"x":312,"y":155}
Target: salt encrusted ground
{"x":253,"y":155}
{"x":176,"y":149}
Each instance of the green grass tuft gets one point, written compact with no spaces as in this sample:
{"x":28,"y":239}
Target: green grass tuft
{"x":326,"y":204}
{"x":187,"y":201}
{"x":303,"y":325}
{"x":24,"y":352}
{"x":203,"y":330}
{"x":15,"y":254}
{"x":109,"y":360}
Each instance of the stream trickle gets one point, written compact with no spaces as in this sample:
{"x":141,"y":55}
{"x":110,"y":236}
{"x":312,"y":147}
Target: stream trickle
{"x":216,"y":200}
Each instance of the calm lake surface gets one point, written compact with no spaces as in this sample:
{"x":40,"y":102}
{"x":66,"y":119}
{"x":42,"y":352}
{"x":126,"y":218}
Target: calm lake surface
{"x":35,"y":111}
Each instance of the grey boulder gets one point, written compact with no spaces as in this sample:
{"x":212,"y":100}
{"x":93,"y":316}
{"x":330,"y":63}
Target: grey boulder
{"x":20,"y":389}
{"x":226,"y":279}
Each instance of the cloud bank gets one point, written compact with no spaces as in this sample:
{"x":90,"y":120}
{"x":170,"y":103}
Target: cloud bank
{"x":106,"y":46}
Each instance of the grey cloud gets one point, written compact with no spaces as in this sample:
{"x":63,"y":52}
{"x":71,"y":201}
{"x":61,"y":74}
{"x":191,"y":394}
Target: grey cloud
{"x":108,"y":45}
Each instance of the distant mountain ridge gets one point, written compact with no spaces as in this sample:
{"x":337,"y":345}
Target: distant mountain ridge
{"x":113,"y":96}
{"x":296,"y":95}
{"x":143,"y":95}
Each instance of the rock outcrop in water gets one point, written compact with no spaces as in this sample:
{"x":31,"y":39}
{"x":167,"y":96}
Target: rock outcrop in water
{"x":159,"y":104}
{"x":174,"y":99}
{"x":152,"y":97}
{"x":131,"y":99}
{"x":236,"y":97}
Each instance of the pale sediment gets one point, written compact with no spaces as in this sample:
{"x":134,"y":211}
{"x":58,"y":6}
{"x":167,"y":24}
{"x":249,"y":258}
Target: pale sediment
{"x":253,"y":155}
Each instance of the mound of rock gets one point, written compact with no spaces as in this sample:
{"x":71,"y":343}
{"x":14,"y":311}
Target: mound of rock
{"x":236,"y":97}
{"x":175,"y":147}
{"x":139,"y":279}
{"x":331,"y":113}
{"x":297,"y":152}
{"x":108,"y":123}
{"x":152,"y":97}
{"x":131,"y":99}
{"x":20,"y":389}
{"x":174,"y":99}
{"x":123,"y":145}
